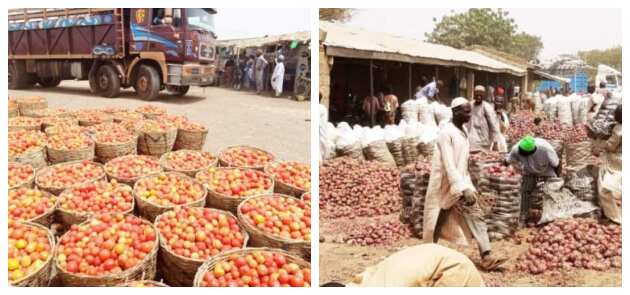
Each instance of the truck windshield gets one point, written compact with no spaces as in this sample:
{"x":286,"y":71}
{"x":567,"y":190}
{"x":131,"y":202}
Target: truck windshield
{"x":198,"y":17}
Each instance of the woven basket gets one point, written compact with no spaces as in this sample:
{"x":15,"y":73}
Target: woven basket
{"x":106,"y":118}
{"x":35,"y":158}
{"x":156,"y":143}
{"x":13,"y":112}
{"x":46,"y":218}
{"x":260,"y":238}
{"x":128,"y":181}
{"x":284,"y":188}
{"x":225,"y":163}
{"x":28,"y":183}
{"x":144,"y":270}
{"x":43,"y":276}
{"x":191,"y":173}
{"x":226,"y":202}
{"x":150,"y":211}
{"x":120,"y":117}
{"x":149,"y":283}
{"x":29,"y":104}
{"x":107,"y":151}
{"x":190,"y":140}
{"x":58,"y":190}
{"x":69,"y":120}
{"x":56,"y":156}
{"x":210,"y":264}
{"x":68,"y":218}
{"x":14,"y":127}
{"x":179,"y":270}
{"x":41,"y":113}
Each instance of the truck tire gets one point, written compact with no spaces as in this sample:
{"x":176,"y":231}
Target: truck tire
{"x":18,"y":77}
{"x":48,"y":82}
{"x":177,"y":90}
{"x":147,"y":83}
{"x":106,"y":81}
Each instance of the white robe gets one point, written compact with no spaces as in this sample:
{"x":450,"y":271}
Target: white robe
{"x":277,"y":78}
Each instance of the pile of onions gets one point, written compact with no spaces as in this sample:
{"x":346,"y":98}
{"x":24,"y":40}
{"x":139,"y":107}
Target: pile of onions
{"x":576,"y":134}
{"x":379,"y":234}
{"x":573,"y":243}
{"x":351,"y":188}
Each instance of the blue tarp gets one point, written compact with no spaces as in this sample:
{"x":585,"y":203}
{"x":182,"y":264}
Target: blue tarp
{"x":578,"y":83}
{"x":63,"y":22}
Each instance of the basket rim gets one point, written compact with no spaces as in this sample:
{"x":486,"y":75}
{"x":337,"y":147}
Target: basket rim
{"x":263,"y":233}
{"x":47,"y":168}
{"x":225,"y":255}
{"x":156,"y":283}
{"x":163,"y":161}
{"x":131,"y":141}
{"x":48,"y":211}
{"x":230,"y":214}
{"x":112,"y":161}
{"x":91,"y":146}
{"x":63,"y":194}
{"x":268,"y":166}
{"x":122,"y":273}
{"x":225,"y":163}
{"x":225,"y":196}
{"x":51,"y":255}
{"x":30,"y":179}
{"x":195,"y":181}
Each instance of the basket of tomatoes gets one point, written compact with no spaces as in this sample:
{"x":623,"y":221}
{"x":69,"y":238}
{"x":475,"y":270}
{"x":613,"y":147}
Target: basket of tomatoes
{"x":29,"y":104}
{"x":128,"y":169}
{"x":57,"y":178}
{"x":245,"y":157}
{"x":14,"y":110}
{"x":190,"y":136}
{"x":32,"y":205}
{"x":31,"y":248}
{"x":113,"y":140}
{"x":228,"y":187}
{"x":290,"y":178}
{"x":188,"y":162}
{"x":21,"y":175}
{"x":156,"y":194}
{"x":70,"y":146}
{"x":25,"y":123}
{"x":28,"y":147}
{"x":150,"y":111}
{"x":155,"y":138}
{"x":56,"y":121}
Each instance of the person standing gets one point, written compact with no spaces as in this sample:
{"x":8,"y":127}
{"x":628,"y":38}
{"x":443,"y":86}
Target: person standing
{"x":451,"y":209}
{"x":483,"y":126}
{"x":504,"y":124}
{"x":370,"y":106}
{"x":390,"y":107}
{"x":249,"y":73}
{"x":259,"y":71}
{"x":539,"y":161}
{"x":277,"y":78}
{"x":609,"y":181}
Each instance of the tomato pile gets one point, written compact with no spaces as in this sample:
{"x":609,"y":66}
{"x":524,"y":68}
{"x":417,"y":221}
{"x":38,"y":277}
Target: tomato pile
{"x":127,"y":116}
{"x":97,"y":197}
{"x":60,"y":112}
{"x":66,"y":127}
{"x":69,"y":174}
{"x":188,"y":160}
{"x":93,"y":117}
{"x":257,"y":269}
{"x":19,"y":174}
{"x":199,"y":233}
{"x":499,"y":170}
{"x":169,"y":189}
{"x":69,"y":141}
{"x":292,"y":173}
{"x":109,"y":243}
{"x":29,"y":250}
{"x":26,"y":203}
{"x":23,"y":141}
{"x":25,"y":122}
{"x":246,"y":157}
{"x":286,"y":217}
{"x":192,"y":126}
{"x":151,"y":110}
{"x":54,"y":121}
{"x":112,"y":133}
{"x":236,"y":182}
{"x":173,"y":119}
{"x":150,"y":126}
{"x":132,"y":166}
{"x":306,"y":197}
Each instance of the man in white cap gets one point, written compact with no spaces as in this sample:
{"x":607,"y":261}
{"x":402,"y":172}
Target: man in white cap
{"x":483,"y":125}
{"x":277,"y":78}
{"x":451,"y":211}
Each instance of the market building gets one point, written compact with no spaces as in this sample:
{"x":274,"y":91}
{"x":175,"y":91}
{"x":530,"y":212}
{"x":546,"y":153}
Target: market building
{"x":294,"y":46}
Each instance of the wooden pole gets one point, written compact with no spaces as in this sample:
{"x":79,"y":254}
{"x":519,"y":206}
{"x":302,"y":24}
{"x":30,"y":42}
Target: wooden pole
{"x":470,"y":84}
{"x":371,"y":77}
{"x":410,"y":79}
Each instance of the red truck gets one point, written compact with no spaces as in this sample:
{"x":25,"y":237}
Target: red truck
{"x":149,"y":49}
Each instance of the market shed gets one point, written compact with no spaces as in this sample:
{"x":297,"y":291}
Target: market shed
{"x":361,"y":62}
{"x":294,"y":46}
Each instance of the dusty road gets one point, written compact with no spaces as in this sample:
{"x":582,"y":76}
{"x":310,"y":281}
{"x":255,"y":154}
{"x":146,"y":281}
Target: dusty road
{"x":278,"y":125}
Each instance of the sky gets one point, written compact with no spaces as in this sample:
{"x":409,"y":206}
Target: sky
{"x":562,"y":30}
{"x":233,"y":23}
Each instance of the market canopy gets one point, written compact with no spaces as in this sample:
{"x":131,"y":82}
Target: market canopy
{"x":344,"y":41}
{"x":552,"y":77}
{"x":300,"y":37}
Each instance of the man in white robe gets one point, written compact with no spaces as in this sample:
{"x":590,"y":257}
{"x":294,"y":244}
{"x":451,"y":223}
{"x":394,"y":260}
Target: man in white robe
{"x":277,"y":78}
{"x":483,"y":126}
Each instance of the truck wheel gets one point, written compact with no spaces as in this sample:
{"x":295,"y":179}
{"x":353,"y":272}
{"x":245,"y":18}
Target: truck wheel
{"x":177,"y":90}
{"x":48,"y":82}
{"x":147,"y":84}
{"x":18,"y":77}
{"x":107,"y":82}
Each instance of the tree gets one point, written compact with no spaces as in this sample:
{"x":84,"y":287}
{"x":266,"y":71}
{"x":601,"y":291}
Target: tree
{"x":336,"y":14}
{"x":485,"y":27}
{"x":609,"y":56}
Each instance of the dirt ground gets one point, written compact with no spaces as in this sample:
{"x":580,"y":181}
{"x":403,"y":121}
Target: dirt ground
{"x":278,"y":125}
{"x":341,"y":262}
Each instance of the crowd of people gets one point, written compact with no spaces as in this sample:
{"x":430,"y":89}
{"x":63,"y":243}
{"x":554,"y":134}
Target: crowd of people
{"x":451,"y":208}
{"x":254,"y":73}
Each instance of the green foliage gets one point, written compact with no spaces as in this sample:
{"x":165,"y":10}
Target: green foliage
{"x":485,"y":27}
{"x":609,"y":56}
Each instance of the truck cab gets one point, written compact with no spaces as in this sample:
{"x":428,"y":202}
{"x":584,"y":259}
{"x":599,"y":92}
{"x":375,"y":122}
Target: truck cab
{"x":149,"y":49}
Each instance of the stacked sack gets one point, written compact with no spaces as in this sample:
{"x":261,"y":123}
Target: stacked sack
{"x":500,"y":199}
{"x":413,"y":131}
{"x":414,"y":181}
{"x":583,"y":183}
{"x":482,"y":159}
{"x":409,"y":111}
{"x":394,"y":140}
{"x":578,"y":148}
{"x":347,"y":143}
{"x":375,"y":147}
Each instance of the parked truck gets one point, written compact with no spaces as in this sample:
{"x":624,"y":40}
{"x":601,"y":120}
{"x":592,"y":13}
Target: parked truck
{"x":149,"y":49}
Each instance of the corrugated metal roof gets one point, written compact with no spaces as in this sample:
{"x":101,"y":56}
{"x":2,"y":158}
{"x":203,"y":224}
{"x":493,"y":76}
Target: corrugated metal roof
{"x":341,"y":36}
{"x":301,"y":37}
{"x":552,"y":77}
